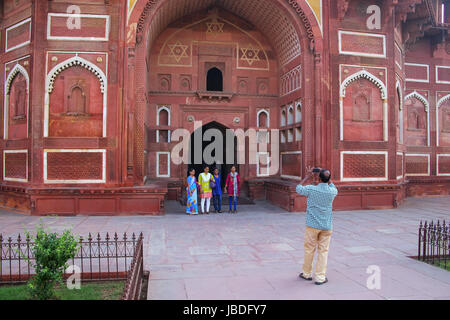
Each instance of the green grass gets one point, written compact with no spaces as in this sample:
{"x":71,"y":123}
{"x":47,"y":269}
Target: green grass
{"x":442,"y":265}
{"x":89,"y":291}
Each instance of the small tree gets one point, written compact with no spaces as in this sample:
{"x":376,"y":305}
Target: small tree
{"x":51,"y":252}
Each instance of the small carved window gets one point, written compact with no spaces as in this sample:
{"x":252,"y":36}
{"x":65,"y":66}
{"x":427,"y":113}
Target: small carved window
{"x":361,"y":108}
{"x":414,"y":121}
{"x":214,"y":80}
{"x":76,"y":101}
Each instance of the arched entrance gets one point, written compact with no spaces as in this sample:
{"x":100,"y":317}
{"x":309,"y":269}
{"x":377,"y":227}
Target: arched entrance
{"x":295,"y":41}
{"x":214,"y":157}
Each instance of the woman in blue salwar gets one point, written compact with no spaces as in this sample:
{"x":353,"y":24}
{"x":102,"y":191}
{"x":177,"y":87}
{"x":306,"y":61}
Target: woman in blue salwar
{"x":191,"y":192}
{"x":217,"y":192}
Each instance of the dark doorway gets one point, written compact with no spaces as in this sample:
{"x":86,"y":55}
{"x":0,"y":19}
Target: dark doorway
{"x":214,"y":80}
{"x":224,"y":168}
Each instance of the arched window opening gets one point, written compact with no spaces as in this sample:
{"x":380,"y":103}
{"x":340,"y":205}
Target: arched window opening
{"x":298,"y":113}
{"x":163,"y":117}
{"x":283,"y":118}
{"x":290,"y":115}
{"x":263,"y":121}
{"x":214,"y":80}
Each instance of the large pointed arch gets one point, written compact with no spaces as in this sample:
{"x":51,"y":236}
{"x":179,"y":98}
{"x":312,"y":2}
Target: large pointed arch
{"x":9,"y":80}
{"x":66,"y":64}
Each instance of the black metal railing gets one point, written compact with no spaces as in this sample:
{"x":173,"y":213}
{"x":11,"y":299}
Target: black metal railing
{"x":98,"y":259}
{"x":434,"y":243}
{"x":133,"y":285}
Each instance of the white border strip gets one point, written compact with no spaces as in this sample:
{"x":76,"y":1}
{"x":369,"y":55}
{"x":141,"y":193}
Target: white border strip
{"x":385,"y":153}
{"x":168,"y":165}
{"x":437,"y":74}
{"x":4,"y":161}
{"x":68,"y":15}
{"x":103,"y":151}
{"x":362,"y":54}
{"x":258,"y":155}
{"x":23,"y":44}
{"x":281,"y":167}
{"x":426,"y":155}
{"x":418,"y":65}
{"x":403,"y":165}
{"x":437,"y":164}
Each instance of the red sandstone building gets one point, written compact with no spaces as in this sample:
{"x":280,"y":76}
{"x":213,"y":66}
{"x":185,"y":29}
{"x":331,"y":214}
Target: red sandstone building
{"x":90,"y":102}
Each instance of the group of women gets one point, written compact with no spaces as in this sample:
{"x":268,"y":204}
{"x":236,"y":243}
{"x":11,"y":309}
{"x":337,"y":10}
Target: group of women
{"x":210,"y":187}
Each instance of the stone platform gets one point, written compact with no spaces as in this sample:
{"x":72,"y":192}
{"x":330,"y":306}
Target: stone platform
{"x":258,"y":253}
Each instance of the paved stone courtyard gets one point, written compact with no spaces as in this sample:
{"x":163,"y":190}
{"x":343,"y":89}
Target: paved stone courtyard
{"x":258,"y":253}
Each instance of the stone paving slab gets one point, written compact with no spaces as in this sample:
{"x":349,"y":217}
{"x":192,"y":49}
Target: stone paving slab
{"x":258,"y":253}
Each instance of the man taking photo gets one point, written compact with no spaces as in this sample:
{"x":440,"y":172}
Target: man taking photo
{"x":319,"y":222}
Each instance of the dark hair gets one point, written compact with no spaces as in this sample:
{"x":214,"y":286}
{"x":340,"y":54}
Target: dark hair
{"x":190,"y":170}
{"x":325,"y":175}
{"x":205,"y":167}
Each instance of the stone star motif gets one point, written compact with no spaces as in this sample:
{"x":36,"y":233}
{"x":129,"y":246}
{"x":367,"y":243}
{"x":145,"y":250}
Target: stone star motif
{"x":250,"y":54}
{"x":178,"y":51}
{"x":214,"y":27}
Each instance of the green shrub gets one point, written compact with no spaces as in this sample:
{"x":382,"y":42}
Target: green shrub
{"x":51,"y":252}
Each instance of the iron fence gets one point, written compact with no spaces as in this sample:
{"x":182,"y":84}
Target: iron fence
{"x":98,"y":259}
{"x":434,"y":243}
{"x":133,"y":285}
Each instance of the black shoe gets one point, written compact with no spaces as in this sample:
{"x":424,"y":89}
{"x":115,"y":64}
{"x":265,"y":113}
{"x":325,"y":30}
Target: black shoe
{"x":320,"y":283}
{"x":220,"y":211}
{"x":304,"y":278}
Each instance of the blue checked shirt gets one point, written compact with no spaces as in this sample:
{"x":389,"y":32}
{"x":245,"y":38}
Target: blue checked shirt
{"x":319,"y":214}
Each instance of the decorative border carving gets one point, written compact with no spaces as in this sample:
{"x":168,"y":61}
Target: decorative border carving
{"x":81,"y":181}
{"x":309,"y":30}
{"x":16,"y":70}
{"x":5,"y":178}
{"x":385,"y":178}
{"x":366,"y":75}
{"x":293,"y":3}
{"x":420,"y":97}
{"x":75,"y":61}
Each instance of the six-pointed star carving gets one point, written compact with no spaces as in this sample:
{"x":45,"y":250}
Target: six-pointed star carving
{"x":250,"y":54}
{"x":178,"y":51}
{"x":214,"y":27}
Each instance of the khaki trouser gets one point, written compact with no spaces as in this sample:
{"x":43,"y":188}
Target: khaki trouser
{"x":320,"y":239}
